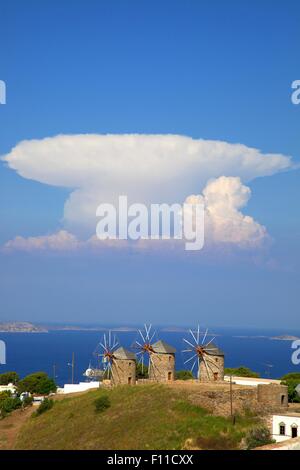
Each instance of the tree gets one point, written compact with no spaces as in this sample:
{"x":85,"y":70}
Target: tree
{"x":141,"y":371}
{"x":9,"y":378}
{"x":241,"y":371}
{"x":38,"y":383}
{"x":292,"y":380}
{"x":184,"y":375}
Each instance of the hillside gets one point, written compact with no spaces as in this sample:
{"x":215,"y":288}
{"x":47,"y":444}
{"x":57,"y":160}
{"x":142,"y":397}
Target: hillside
{"x":143,"y":417}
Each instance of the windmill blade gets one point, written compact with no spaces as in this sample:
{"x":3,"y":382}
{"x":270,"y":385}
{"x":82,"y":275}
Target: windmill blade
{"x":207,"y":371}
{"x":142,"y":336}
{"x":105,"y":340}
{"x":142,"y":355}
{"x":190,"y":344}
{"x":150,"y":341}
{"x":210,"y":341}
{"x":109,"y":339}
{"x":142,"y":363}
{"x":190,"y":359}
{"x":193,"y":365}
{"x":209,"y":362}
{"x":153,"y":366}
{"x":187,"y":350}
{"x":148,"y":331}
{"x":198,"y":334}
{"x":193,"y":336}
{"x":204,"y":337}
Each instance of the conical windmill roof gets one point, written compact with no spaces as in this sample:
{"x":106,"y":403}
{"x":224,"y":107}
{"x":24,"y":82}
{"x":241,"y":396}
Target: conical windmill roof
{"x":163,"y":348}
{"x":213,"y":350}
{"x":122,"y":353}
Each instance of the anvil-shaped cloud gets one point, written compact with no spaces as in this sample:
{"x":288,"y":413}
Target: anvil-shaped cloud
{"x":146,"y":168}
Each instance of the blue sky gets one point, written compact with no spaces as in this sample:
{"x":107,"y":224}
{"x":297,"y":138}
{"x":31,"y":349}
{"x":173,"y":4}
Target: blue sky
{"x":204,"y":69}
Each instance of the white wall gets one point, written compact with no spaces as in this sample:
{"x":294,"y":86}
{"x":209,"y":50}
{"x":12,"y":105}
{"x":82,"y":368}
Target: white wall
{"x":288,"y":420}
{"x":249,"y":381}
{"x":81,"y":387}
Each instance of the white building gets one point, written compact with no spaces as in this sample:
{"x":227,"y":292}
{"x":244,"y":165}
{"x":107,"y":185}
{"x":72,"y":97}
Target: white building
{"x":285,"y":426}
{"x":8,"y":388}
{"x":251,"y":381}
{"x":81,"y":387}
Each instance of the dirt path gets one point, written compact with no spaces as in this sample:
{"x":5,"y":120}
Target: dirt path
{"x":10,"y":427}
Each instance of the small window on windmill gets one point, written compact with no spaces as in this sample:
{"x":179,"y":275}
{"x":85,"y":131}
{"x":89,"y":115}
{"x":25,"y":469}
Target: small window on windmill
{"x":282,"y":399}
{"x":129,"y":364}
{"x":170,"y":357}
{"x":217,"y":359}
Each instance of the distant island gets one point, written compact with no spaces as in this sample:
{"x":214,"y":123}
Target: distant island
{"x":278,"y":338}
{"x":285,"y":338}
{"x":28,"y":327}
{"x":21,"y":327}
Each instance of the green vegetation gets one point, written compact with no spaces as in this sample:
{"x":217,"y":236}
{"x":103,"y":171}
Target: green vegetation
{"x":8,"y":403}
{"x":292,"y":380}
{"x":44,"y":406}
{"x":184,"y":375}
{"x":142,"y":417}
{"x":241,"y":371}
{"x":102,"y":403}
{"x":141,"y":371}
{"x":9,"y":378}
{"x":38,"y":383}
{"x":260,"y":436}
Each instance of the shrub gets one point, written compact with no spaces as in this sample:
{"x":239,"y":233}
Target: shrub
{"x":258,"y":437}
{"x":102,"y":403}
{"x":44,"y":406}
{"x":9,"y":378}
{"x":184,"y":375}
{"x":27,"y":401}
{"x":241,"y":371}
{"x":38,"y":383}
{"x":8,"y":403}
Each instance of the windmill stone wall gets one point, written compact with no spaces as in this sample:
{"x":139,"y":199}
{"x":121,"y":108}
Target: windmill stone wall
{"x":162,"y":365}
{"x":213,"y":371}
{"x":123,"y":367}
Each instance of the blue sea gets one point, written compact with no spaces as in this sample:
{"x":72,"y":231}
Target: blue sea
{"x":31,"y":352}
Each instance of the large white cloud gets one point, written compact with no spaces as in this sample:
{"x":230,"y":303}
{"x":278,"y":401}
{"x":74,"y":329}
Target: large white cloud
{"x":146,"y":168}
{"x":225,"y":225}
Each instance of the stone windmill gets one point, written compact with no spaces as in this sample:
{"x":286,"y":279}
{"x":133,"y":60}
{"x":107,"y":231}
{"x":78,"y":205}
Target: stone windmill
{"x":204,"y":357}
{"x":119,"y":364}
{"x":159,"y":356}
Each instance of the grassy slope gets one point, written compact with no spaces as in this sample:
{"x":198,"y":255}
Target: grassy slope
{"x":142,"y":417}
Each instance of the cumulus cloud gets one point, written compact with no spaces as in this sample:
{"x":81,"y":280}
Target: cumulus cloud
{"x":60,"y":241}
{"x":225,"y":224}
{"x":146,"y":168}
